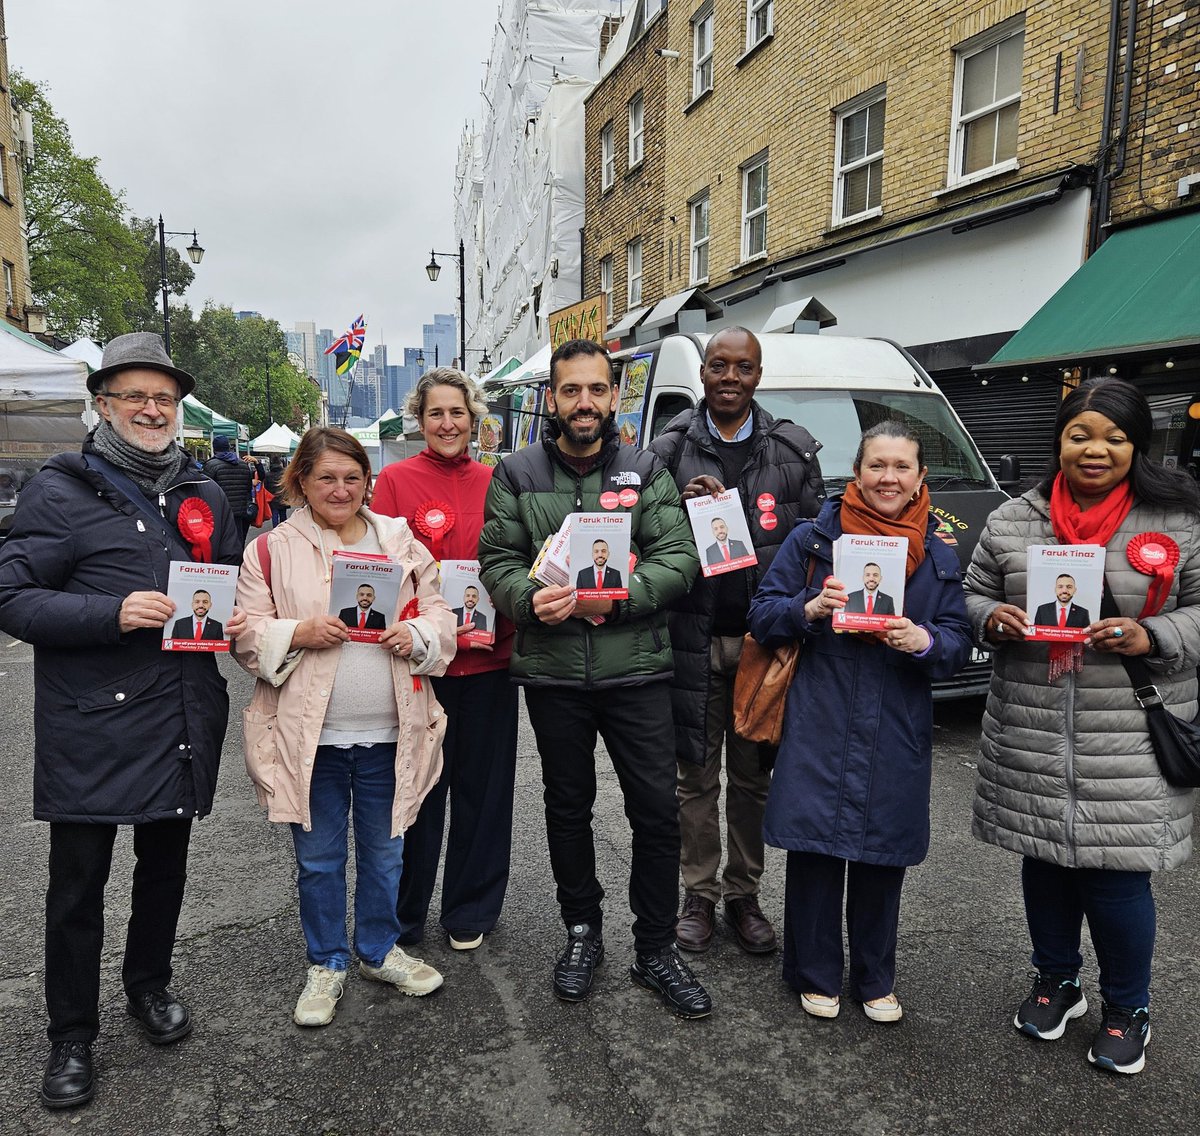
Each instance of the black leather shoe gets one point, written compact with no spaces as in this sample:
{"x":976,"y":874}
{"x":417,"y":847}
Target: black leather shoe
{"x":577,"y":964}
{"x":69,"y":1080}
{"x":164,"y":1018}
{"x":754,"y":932}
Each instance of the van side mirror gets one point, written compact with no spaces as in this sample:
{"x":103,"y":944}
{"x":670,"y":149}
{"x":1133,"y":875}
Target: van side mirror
{"x":1010,"y":472}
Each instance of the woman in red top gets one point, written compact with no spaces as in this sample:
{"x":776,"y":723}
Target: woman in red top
{"x":440,"y":492}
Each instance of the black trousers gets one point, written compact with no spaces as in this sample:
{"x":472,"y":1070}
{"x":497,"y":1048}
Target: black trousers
{"x":80,"y":859}
{"x":479,"y":768}
{"x":635,"y":723}
{"x":813,"y":960}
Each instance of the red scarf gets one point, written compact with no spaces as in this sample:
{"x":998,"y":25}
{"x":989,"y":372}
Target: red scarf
{"x":1073,"y":525}
{"x":913,"y":522}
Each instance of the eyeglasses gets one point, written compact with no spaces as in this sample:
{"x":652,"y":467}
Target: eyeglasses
{"x":138,"y":400}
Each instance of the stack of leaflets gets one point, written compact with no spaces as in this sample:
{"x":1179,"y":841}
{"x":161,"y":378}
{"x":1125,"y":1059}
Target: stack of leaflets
{"x":590,"y":552}
{"x":205,"y":592}
{"x":1063,"y":590}
{"x":721,"y":533}
{"x":474,"y":613}
{"x":365,"y":593}
{"x":873,"y":569}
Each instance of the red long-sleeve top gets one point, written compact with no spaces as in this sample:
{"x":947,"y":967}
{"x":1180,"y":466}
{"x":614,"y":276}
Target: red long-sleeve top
{"x":456,"y":485}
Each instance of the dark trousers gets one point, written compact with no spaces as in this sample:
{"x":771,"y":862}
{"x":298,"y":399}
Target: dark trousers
{"x":479,"y":768}
{"x":80,"y":859}
{"x":1119,"y":908}
{"x":813,"y":959}
{"x":635,"y":723}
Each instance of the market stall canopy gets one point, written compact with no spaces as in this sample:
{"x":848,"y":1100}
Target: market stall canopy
{"x":399,"y":426}
{"x":86,"y":349}
{"x":1138,"y":292}
{"x":276,"y":439}
{"x":501,"y":370}
{"x":197,"y":416}
{"x":32,"y":372}
{"x":535,"y":367}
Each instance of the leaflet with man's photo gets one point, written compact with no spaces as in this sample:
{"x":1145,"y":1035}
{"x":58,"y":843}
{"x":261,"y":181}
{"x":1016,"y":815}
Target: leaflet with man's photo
{"x":203,"y":595}
{"x":1063,"y":590}
{"x":873,"y":569}
{"x":721,"y":533}
{"x":474,"y":613}
{"x":599,"y":555}
{"x":364,"y":593}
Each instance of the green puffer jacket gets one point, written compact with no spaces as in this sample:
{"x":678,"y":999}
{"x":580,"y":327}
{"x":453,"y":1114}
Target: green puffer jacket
{"x":530,"y":496}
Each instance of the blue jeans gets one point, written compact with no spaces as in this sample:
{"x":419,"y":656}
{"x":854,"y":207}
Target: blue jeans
{"x":362,"y":777}
{"x":1119,"y":908}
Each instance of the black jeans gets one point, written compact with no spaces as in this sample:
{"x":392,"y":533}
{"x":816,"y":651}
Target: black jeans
{"x":480,"y":765}
{"x":80,"y":859}
{"x":635,"y":723}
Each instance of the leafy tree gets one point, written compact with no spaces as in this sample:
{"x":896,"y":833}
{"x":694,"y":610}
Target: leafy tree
{"x":83,"y":258}
{"x":147,"y":314}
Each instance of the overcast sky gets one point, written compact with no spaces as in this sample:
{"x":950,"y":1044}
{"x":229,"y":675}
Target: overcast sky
{"x":311,"y":144}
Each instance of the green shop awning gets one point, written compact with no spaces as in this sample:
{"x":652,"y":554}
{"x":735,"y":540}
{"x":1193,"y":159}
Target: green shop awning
{"x":1139,"y":291}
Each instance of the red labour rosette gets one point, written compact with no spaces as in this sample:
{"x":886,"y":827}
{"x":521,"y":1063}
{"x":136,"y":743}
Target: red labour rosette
{"x":195,"y":524}
{"x":1154,"y":554}
{"x":433,"y":519}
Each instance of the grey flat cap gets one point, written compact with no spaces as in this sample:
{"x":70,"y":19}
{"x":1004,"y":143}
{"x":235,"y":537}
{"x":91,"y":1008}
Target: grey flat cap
{"x":138,"y":349}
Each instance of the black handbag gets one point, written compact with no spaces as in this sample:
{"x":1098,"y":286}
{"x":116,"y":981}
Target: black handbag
{"x":1176,"y":742}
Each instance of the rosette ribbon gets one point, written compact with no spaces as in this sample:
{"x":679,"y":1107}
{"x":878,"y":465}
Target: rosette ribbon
{"x":195,"y":523}
{"x":433,"y":520}
{"x":410,"y":611}
{"x":1155,"y":555}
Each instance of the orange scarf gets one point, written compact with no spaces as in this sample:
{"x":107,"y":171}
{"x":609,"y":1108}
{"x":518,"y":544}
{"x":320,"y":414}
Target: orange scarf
{"x":913,"y":522}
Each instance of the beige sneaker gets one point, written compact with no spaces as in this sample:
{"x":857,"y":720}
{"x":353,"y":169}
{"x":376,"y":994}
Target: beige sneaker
{"x":407,"y":974}
{"x":318,"y":1001}
{"x":885,"y":1009}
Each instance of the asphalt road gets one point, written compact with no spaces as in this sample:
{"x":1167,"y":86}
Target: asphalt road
{"x":495,"y":1052}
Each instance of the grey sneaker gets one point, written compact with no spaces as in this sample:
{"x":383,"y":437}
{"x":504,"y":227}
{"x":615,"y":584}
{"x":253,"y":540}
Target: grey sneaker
{"x":407,"y":974}
{"x":318,"y":1000}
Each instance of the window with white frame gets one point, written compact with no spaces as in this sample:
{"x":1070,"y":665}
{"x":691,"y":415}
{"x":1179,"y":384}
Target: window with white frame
{"x":606,"y":284}
{"x":651,"y":10}
{"x":698,"y":208}
{"x":3,"y":172}
{"x":987,"y":101}
{"x":858,"y":165}
{"x":702,"y":51}
{"x":608,"y":159}
{"x":10,"y":295}
{"x":760,"y":20}
{"x":754,"y":207}
{"x":633,"y":273}
{"x":637,"y":111}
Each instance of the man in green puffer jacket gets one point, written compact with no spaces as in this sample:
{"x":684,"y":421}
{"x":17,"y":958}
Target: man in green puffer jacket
{"x":598,"y":666}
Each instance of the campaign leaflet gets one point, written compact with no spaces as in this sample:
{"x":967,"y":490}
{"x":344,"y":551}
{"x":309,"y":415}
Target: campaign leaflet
{"x":203,"y":595}
{"x":873,"y":569}
{"x":599,"y":555}
{"x":1063,"y":590}
{"x":364,"y":593}
{"x":468,"y":599}
{"x":721,"y":534}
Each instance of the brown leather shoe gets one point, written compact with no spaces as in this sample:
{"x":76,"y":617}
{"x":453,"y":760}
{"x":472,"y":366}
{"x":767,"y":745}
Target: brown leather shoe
{"x":695,"y":928}
{"x":754,"y":933}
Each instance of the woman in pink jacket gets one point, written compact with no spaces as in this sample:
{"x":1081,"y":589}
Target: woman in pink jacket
{"x":338,"y":727}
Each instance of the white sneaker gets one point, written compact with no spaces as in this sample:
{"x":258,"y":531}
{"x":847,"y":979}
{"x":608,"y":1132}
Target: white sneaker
{"x":465,"y":940}
{"x":821,"y":1005}
{"x":885,"y":1009}
{"x":407,"y":974}
{"x":318,"y":1001}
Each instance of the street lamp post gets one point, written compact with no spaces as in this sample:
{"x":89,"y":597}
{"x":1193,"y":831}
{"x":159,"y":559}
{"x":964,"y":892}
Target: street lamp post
{"x":432,"y":269}
{"x":195,"y":255}
{"x":270,"y":416}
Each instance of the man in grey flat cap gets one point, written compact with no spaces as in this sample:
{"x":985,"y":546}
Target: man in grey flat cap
{"x":125,"y":732}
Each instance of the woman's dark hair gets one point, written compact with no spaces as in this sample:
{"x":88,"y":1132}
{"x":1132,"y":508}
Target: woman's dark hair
{"x":314,"y":443}
{"x":1123,"y":404}
{"x":889,"y":428}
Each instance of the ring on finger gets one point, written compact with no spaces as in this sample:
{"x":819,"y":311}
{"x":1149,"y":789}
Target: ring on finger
{"x":1117,"y":632}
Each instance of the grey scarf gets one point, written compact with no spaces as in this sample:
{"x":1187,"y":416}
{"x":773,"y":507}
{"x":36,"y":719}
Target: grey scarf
{"x":151,"y":473}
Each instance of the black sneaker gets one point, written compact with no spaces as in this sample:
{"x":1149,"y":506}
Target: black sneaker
{"x":577,"y":964}
{"x":1120,"y":1044}
{"x":1054,"y":1000}
{"x":667,"y":974}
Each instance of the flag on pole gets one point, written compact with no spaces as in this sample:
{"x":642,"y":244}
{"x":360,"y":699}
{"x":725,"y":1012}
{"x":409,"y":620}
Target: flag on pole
{"x":348,"y":348}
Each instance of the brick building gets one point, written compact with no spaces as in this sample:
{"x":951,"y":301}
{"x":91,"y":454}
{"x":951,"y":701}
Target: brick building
{"x":16,"y":134}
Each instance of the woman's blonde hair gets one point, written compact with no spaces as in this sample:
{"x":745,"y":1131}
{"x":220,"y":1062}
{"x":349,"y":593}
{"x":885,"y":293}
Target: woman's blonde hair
{"x":414,"y":405}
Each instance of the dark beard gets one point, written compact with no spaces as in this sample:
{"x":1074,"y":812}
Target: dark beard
{"x":582,"y":438}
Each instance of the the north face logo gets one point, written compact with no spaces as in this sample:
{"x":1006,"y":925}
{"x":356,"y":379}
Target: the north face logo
{"x":627,"y":477}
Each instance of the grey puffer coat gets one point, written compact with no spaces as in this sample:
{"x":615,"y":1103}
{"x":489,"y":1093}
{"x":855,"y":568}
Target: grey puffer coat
{"x":1066,"y":771}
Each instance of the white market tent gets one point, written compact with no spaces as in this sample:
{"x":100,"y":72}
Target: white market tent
{"x":86,"y":349}
{"x":31,"y":372}
{"x":537,"y":366}
{"x":276,"y":439}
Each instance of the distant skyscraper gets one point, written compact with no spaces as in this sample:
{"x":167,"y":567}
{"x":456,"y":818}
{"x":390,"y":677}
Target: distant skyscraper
{"x":247,"y":315}
{"x":440,"y":343}
{"x":308,"y":330}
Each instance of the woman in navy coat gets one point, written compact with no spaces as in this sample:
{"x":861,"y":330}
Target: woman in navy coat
{"x":850,"y":791}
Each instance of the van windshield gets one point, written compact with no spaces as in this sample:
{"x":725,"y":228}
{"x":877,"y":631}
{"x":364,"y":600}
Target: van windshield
{"x":837,"y":420}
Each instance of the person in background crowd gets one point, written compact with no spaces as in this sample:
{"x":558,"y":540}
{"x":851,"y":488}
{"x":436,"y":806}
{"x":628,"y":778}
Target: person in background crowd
{"x":279,"y":509}
{"x":480,"y":750}
{"x":235,"y":480}
{"x":849,"y":799}
{"x":1067,"y":775}
{"x":124,"y":732}
{"x":728,"y":441}
{"x":338,"y":728}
